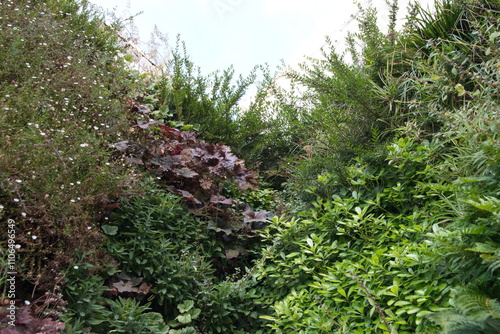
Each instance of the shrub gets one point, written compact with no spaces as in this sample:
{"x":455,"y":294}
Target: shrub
{"x":62,"y":79}
{"x":154,"y":237}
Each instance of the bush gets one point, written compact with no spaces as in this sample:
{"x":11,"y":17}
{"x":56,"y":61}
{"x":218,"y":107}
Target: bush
{"x":155,"y":238}
{"x":62,"y":80}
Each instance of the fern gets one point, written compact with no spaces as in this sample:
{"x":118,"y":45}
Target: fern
{"x":474,"y":313}
{"x":488,"y":204}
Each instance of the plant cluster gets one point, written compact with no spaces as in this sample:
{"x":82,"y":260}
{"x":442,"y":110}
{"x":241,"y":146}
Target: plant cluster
{"x":400,"y":237}
{"x":61,"y":81}
{"x":128,"y":223}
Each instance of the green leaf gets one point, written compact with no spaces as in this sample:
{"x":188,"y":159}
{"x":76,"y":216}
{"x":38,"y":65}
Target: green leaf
{"x":413,"y":310}
{"x":195,"y":313}
{"x":402,"y":303}
{"x":109,"y":229}
{"x":494,"y":35}
{"x":310,"y":242}
{"x":186,"y":306}
{"x":460,"y":90}
{"x":184,"y":318}
{"x":187,"y":127}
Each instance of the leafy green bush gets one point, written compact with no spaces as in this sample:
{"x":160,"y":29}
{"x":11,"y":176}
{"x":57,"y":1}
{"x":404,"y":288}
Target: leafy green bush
{"x":154,"y":237}
{"x":128,"y":316}
{"x":210,"y":102}
{"x":84,"y":294}
{"x":348,"y":259}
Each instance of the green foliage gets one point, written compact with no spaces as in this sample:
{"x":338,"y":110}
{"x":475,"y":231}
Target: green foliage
{"x":391,"y":163}
{"x":88,"y":309}
{"x":128,"y":316}
{"x":473,"y":313}
{"x":360,"y":257}
{"x":231,"y":306}
{"x":158,"y":240}
{"x":187,"y":314}
{"x":83,"y":293}
{"x":345,"y":264}
{"x":209,"y":102}
{"x":61,"y":82}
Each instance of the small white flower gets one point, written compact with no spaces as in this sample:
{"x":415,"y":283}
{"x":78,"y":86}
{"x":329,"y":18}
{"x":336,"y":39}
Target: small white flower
{"x":75,"y":267}
{"x":84,"y":145}
{"x":42,"y":133}
{"x":78,"y":182}
{"x":16,"y":199}
{"x":17,"y":246}
{"x":72,"y":201}
{"x":19,"y":181}
{"x":27,"y":302}
{"x":34,"y":237}
{"x":23,"y":214}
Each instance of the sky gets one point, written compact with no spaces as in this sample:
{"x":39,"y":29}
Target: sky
{"x":245,"y":33}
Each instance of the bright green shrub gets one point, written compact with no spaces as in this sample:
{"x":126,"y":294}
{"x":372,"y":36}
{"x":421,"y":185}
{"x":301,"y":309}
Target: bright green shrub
{"x":359,"y":260}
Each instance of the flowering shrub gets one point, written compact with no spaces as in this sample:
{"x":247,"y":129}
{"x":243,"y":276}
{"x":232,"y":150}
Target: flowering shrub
{"x":60,"y":98}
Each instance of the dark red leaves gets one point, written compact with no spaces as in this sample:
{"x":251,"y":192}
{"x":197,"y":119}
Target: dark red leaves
{"x":188,"y":196}
{"x":218,"y":199}
{"x":26,"y":323}
{"x":146,"y":124}
{"x":198,"y":171}
{"x":190,"y":165}
{"x":255,"y":216}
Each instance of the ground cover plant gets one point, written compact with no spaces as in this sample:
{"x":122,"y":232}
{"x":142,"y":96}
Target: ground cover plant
{"x":373,"y":206}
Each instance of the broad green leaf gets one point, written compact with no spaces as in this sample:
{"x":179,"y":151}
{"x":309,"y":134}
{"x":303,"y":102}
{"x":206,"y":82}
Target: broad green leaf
{"x":184,"y":318}
{"x":185,"y":306}
{"x":109,"y":229}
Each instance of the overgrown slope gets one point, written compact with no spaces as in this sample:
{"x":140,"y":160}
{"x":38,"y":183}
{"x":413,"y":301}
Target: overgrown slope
{"x":383,"y":164}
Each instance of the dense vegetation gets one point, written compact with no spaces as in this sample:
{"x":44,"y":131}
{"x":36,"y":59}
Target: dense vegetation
{"x":363,"y":198}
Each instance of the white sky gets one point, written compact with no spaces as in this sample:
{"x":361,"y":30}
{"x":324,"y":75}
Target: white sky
{"x":245,"y":33}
